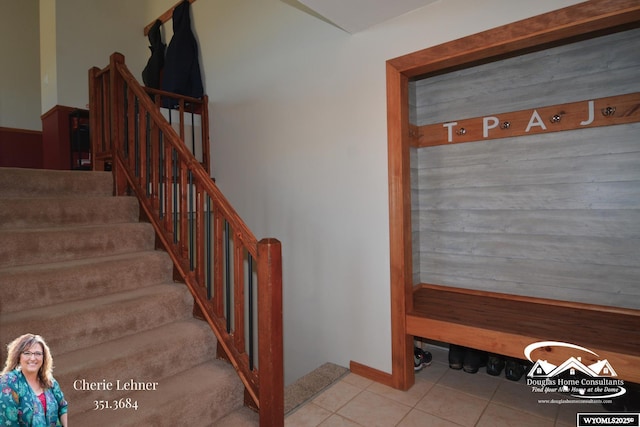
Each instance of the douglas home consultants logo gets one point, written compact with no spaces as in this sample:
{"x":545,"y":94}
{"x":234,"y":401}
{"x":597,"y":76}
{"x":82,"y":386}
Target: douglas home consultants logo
{"x":584,"y":380}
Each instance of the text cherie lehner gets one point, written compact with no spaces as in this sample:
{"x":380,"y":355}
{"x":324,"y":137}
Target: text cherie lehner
{"x":129,"y":385}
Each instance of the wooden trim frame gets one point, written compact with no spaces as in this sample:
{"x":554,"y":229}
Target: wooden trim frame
{"x":582,"y":21}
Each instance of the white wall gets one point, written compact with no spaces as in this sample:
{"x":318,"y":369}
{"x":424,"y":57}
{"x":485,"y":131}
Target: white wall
{"x":86,"y":33}
{"x":298,"y":122}
{"x":299,"y":146}
{"x":20,"y":70}
{"x":48,"y":60}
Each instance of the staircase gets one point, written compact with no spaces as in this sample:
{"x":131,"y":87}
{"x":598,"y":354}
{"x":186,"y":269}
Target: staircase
{"x":78,"y":268}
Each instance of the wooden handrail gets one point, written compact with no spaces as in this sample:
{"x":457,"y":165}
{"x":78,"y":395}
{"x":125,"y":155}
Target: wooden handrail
{"x":212,"y":249}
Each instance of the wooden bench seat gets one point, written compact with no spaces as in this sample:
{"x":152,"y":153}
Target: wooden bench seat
{"x":506,"y":324}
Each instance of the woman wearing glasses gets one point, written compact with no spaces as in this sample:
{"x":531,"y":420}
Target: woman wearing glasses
{"x":29,"y":395}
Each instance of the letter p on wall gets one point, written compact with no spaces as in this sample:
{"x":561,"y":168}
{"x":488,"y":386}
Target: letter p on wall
{"x":486,"y":126}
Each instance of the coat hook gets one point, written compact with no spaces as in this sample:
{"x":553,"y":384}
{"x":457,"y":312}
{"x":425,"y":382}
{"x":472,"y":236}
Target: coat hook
{"x":609,"y":111}
{"x":461,"y":131}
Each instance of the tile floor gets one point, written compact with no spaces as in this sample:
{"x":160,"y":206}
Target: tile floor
{"x":440,"y":397}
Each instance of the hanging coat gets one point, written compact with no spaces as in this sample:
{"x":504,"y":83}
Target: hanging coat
{"x":152,"y":72}
{"x":181,"y":65}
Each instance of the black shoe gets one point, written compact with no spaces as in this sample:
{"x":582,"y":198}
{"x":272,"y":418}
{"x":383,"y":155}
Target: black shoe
{"x":421,"y":358}
{"x":495,"y":365}
{"x":514,"y":370}
{"x":456,"y":356}
{"x":473,"y":360}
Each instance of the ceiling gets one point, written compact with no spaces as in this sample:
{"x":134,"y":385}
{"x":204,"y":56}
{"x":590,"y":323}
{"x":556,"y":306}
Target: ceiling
{"x":357,"y":15}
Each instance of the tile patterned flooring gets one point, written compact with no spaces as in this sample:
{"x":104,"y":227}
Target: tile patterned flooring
{"x":441,"y":397}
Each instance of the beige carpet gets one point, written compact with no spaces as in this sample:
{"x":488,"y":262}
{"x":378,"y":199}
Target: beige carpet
{"x":79,"y":268}
{"x":311,"y":384}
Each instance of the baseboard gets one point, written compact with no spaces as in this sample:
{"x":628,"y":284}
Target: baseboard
{"x":371,"y":373}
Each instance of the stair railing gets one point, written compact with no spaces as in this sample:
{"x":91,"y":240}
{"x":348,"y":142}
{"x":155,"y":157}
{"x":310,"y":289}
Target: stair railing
{"x":188,"y":116}
{"x":236,"y":280}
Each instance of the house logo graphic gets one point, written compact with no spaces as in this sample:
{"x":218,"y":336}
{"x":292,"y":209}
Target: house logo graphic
{"x":596,"y":380}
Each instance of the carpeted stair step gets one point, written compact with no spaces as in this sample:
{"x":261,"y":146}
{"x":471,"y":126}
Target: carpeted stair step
{"x":67,"y":211}
{"x":241,"y":417}
{"x":68,"y":281}
{"x":78,"y":268}
{"x":79,"y":324}
{"x":149,"y":356}
{"x":188,"y":398}
{"x":19,"y":182}
{"x":43,"y":245}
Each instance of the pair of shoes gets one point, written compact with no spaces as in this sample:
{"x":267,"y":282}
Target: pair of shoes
{"x":473,"y":360}
{"x":495,"y":365}
{"x":421,"y":358}
{"x":514,"y":369}
{"x":456,"y":356}
{"x":466,"y":358}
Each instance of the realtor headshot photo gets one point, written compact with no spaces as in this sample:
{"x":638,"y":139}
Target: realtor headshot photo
{"x":29,"y":394}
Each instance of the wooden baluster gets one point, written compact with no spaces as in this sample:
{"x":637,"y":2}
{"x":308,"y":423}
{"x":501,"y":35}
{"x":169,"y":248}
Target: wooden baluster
{"x":155,"y":153}
{"x":167,"y":188}
{"x":142,"y":144}
{"x":238,"y":297}
{"x":218,"y":262}
{"x":204,"y":128}
{"x":116,"y":85}
{"x":200,"y":234}
{"x":107,"y":143}
{"x":184,"y":213}
{"x":94,"y":129}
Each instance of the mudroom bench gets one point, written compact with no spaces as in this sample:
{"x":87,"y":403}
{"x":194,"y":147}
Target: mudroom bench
{"x":506,"y":324}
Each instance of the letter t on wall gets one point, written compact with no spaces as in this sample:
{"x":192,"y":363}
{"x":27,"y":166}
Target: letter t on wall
{"x":449,"y":127}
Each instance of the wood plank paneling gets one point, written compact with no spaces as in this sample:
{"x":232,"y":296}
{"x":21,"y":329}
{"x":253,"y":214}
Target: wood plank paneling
{"x":552,"y":215}
{"x":620,"y":167}
{"x":609,"y":195}
{"x":605,"y":223}
{"x":534,"y":278}
{"x":595,"y":68}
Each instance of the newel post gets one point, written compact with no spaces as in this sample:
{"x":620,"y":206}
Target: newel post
{"x":270,"y":342}
{"x":117,"y":110}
